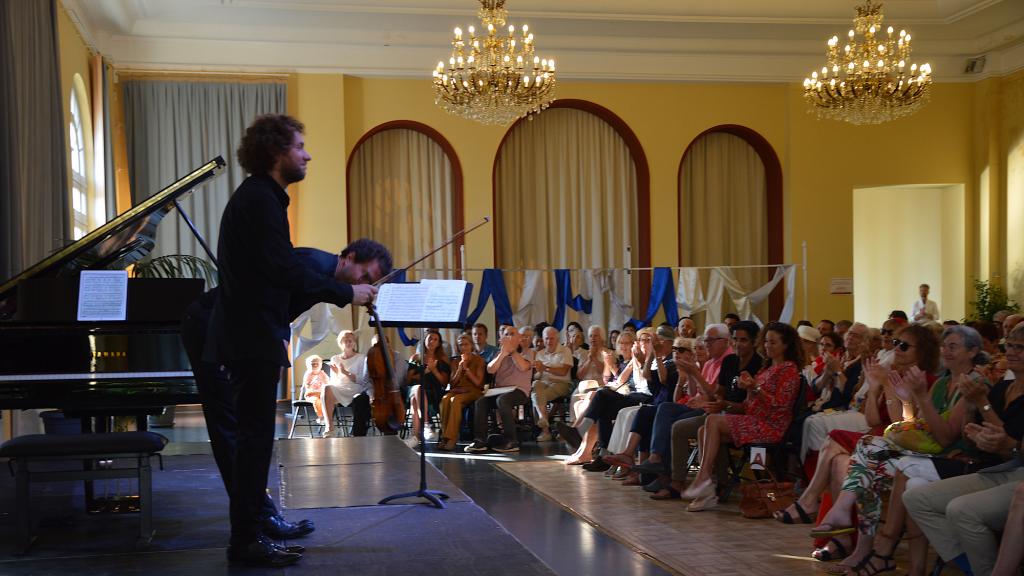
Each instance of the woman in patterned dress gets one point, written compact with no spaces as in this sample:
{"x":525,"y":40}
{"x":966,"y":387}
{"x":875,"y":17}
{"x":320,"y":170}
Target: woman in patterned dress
{"x":763,"y":417}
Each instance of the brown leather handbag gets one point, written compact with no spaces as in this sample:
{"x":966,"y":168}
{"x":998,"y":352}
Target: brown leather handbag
{"x":761,"y":498}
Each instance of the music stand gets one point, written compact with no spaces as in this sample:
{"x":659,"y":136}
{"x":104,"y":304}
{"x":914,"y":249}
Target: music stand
{"x":429,"y":304}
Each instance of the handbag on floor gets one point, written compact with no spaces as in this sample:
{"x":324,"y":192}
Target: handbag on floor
{"x":762,"y":498}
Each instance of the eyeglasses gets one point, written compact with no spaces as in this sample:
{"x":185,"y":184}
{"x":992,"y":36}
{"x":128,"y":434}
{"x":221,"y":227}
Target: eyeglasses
{"x":681,"y":349}
{"x":712,"y":339}
{"x":903,"y":346}
{"x":886,"y":331}
{"x":1014,"y":347}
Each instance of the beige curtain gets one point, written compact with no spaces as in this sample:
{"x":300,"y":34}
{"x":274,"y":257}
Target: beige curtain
{"x":565,"y":198}
{"x":722,"y":215}
{"x":400,"y":194}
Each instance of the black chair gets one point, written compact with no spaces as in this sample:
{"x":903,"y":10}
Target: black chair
{"x":776,"y":454}
{"x":301,"y":408}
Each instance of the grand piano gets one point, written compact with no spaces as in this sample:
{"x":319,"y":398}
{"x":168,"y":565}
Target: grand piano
{"x":49,"y":359}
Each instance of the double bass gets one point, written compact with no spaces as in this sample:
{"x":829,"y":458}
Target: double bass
{"x":388,"y":408}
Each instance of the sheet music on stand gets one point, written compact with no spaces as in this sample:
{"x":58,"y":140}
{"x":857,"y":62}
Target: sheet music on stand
{"x":424,"y":304}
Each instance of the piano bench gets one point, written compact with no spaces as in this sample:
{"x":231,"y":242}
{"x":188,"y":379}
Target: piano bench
{"x":24,"y":450}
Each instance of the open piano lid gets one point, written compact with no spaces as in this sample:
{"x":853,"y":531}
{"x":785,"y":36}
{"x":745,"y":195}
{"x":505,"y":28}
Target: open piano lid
{"x":122,"y":241}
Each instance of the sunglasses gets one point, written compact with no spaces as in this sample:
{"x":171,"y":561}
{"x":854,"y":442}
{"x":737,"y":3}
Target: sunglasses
{"x":903,"y":346}
{"x":886,"y":331}
{"x":681,"y":349}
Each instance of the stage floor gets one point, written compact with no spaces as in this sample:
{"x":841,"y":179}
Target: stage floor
{"x":334,"y":482}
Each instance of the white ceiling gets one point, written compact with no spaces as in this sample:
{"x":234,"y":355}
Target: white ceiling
{"x":662,"y":40}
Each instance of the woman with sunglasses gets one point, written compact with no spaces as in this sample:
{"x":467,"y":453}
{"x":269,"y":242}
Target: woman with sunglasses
{"x":876,"y":459}
{"x":914,"y":346}
{"x":962,"y":531}
{"x":765,"y":414}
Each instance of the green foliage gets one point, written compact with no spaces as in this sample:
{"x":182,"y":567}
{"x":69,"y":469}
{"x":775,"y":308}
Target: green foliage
{"x":990,"y":298}
{"x":176,"y":266}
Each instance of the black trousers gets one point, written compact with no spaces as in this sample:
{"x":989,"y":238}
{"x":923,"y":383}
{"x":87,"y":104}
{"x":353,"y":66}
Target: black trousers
{"x":214,"y":386}
{"x":506,"y":404}
{"x":254,"y":385}
{"x":605,"y":407}
{"x":360,"y":415}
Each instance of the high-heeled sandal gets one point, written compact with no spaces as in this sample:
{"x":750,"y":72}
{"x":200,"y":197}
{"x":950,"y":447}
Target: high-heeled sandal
{"x":866,"y":568}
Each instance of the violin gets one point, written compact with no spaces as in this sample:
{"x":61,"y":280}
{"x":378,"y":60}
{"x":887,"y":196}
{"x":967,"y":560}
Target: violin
{"x":388,"y":408}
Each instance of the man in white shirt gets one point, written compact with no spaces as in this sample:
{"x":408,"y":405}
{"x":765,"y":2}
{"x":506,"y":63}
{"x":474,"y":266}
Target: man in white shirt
{"x":550,"y":378}
{"x":924,"y":309}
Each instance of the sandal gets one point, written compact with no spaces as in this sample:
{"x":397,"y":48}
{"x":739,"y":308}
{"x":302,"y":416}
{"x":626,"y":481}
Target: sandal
{"x":866,"y":568}
{"x":824,"y":554}
{"x":785,"y":517}
{"x":620,"y":460}
{"x":669,"y":493}
{"x":632,"y":480}
{"x":832,"y":531}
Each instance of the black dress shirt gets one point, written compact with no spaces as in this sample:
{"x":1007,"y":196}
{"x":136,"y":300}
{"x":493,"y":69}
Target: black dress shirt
{"x":259,"y":274}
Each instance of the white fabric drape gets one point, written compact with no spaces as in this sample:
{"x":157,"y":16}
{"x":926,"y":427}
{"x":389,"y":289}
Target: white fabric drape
{"x":691,"y":298}
{"x":174,"y":127}
{"x":566,"y":197}
{"x":401,"y":194}
{"x":533,"y":302}
{"x":722,"y":209}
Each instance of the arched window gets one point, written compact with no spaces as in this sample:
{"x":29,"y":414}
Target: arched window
{"x":79,"y":173}
{"x":571,"y":189}
{"x":730,"y":207}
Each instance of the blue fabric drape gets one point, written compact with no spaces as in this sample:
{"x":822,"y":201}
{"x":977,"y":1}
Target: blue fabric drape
{"x":563,"y":297}
{"x":492,"y":286}
{"x":663,"y":294}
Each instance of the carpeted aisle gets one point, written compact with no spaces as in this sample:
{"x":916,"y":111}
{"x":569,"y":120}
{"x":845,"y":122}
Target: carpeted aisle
{"x":719,"y":541}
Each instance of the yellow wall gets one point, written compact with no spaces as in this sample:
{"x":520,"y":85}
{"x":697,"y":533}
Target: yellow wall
{"x":917,"y":239}
{"x":823,"y":161}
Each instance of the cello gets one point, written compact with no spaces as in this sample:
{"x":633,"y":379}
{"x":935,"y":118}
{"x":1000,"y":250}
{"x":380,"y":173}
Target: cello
{"x":388,"y":408}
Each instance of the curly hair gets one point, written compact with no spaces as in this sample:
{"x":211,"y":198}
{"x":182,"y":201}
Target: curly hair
{"x":267,"y":137}
{"x":367,"y":250}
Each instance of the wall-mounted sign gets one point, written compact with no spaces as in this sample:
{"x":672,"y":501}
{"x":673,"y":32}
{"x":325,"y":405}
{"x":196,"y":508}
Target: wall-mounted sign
{"x":840,"y":286}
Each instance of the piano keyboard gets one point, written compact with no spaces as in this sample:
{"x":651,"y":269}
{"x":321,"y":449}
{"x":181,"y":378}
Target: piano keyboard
{"x":96,"y":376}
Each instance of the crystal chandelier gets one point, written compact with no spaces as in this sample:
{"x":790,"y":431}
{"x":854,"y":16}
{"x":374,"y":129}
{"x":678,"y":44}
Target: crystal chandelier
{"x":870,"y":80}
{"x":494,"y":79}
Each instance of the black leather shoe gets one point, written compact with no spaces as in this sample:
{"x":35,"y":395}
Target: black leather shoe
{"x":262,"y":552}
{"x":278,"y":528}
{"x":598,"y":465}
{"x":293,"y":549}
{"x":570,"y":435}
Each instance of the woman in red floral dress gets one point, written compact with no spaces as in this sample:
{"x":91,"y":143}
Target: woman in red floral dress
{"x":763,"y":417}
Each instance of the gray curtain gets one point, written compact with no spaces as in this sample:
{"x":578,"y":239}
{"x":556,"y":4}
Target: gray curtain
{"x":34,"y":197}
{"x":173,"y":127}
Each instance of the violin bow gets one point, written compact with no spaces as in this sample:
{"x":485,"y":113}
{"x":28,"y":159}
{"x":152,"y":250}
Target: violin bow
{"x":454,"y":237}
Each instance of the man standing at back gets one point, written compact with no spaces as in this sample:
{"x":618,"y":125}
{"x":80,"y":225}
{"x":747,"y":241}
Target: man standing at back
{"x":258,"y":273}
{"x":924,"y":309}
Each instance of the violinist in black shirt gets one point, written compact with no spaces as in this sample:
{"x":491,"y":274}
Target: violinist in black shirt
{"x":259,"y":274}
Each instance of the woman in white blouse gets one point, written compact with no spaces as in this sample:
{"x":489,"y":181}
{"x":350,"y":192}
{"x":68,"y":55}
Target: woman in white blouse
{"x":348,"y":385}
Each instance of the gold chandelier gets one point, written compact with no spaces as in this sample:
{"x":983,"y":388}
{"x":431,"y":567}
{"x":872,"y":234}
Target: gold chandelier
{"x":870,"y":80}
{"x":494,"y":79}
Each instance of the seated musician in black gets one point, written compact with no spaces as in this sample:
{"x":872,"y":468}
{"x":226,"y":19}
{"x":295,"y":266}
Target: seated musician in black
{"x":214,"y":383}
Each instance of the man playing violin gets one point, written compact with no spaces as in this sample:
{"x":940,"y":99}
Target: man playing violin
{"x":260,"y":275}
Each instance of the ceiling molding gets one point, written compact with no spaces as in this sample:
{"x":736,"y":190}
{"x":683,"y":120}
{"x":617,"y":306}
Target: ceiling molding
{"x":402,"y":38}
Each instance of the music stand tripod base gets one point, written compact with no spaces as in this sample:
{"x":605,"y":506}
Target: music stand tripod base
{"x":433,"y":496}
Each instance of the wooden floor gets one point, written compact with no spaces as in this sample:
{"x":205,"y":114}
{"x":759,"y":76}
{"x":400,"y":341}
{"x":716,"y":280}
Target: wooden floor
{"x":718,"y":541}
